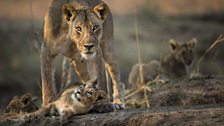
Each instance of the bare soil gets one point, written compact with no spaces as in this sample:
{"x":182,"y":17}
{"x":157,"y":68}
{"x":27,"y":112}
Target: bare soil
{"x":211,"y":115}
{"x":188,"y":92}
{"x":197,"y":101}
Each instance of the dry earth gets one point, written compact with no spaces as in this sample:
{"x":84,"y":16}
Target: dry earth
{"x":209,"y":115}
{"x":183,"y":92}
{"x":203,"y":106}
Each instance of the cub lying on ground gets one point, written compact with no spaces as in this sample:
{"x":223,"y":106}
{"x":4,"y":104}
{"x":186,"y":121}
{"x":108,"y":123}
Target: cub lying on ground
{"x":76,"y":100}
{"x":172,"y":66}
{"x":20,"y":104}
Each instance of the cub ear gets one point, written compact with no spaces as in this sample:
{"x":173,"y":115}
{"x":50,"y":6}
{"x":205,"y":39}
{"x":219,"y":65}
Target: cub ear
{"x":68,"y":11}
{"x":174,"y":44}
{"x":101,"y":10}
{"x":93,"y":82}
{"x":192,"y":43}
{"x":26,"y":98}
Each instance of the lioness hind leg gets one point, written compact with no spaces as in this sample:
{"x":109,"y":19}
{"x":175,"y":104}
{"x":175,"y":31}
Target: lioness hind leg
{"x":67,"y":74}
{"x":47,"y":75}
{"x":52,"y":40}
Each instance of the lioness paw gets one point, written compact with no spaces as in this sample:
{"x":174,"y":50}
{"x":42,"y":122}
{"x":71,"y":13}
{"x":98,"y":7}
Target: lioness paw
{"x":119,"y":106}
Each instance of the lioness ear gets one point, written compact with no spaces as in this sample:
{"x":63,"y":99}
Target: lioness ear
{"x":68,"y":11}
{"x":192,"y":43}
{"x":174,"y":45}
{"x":101,"y":10}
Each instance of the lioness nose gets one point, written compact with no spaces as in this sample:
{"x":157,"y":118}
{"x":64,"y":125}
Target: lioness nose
{"x":88,"y":46}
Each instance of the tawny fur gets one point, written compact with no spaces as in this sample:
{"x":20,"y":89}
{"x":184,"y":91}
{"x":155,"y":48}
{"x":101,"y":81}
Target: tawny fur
{"x":81,"y":30}
{"x":150,"y":71}
{"x":172,"y":66}
{"x":22,"y":104}
{"x":74,"y":100}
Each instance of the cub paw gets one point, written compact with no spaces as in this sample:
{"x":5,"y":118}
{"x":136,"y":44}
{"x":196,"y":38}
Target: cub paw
{"x":103,"y":108}
{"x":27,"y":117}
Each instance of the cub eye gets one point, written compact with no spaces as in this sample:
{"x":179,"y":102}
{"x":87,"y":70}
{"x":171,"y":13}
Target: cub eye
{"x":95,"y":27}
{"x":78,"y":29}
{"x":183,"y":53}
{"x":83,"y":85}
{"x":89,"y":94}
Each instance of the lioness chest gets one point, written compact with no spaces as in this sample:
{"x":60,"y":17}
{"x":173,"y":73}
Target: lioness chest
{"x":91,"y":65}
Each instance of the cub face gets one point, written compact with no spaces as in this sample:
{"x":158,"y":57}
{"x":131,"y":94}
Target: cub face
{"x":86,"y":94}
{"x":85,"y":27}
{"x":183,"y":52}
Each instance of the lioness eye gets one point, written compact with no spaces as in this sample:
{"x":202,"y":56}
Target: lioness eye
{"x":79,"y":29}
{"x":95,"y":27}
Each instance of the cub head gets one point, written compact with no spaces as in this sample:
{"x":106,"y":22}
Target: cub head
{"x":85,"y":26}
{"x":21,"y":104}
{"x":87,"y":94}
{"x":183,"y":52}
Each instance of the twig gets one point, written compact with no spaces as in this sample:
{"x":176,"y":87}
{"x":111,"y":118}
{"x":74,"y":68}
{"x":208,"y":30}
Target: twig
{"x":138,"y":47}
{"x":31,"y":11}
{"x":147,"y":89}
{"x":144,"y":88}
{"x":36,"y":38}
{"x":218,"y":40}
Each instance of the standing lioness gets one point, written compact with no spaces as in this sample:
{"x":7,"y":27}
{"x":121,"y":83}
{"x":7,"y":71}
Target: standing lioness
{"x":82,"y":30}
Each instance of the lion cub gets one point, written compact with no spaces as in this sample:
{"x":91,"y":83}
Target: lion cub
{"x":172,"y":66}
{"x":74,"y":100}
{"x":20,"y":104}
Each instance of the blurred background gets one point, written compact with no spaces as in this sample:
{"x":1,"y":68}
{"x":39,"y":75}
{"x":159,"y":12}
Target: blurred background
{"x":158,"y":22}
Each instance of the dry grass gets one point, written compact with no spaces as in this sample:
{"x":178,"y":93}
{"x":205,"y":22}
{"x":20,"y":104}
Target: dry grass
{"x":197,"y":66}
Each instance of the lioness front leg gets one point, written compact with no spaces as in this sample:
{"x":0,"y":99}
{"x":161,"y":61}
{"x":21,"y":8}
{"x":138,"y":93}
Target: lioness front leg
{"x":112,"y":67}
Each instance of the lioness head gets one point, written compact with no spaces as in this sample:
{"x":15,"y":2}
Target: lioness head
{"x":85,"y":26}
{"x":86,"y":94}
{"x":183,"y":52}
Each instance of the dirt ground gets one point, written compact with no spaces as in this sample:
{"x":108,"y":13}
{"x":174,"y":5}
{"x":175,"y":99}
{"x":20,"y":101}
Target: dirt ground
{"x":197,"y":101}
{"x":183,"y":92}
{"x":209,"y":115}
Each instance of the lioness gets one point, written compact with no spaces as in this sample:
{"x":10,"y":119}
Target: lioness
{"x":172,"y":66}
{"x":82,"y":30}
